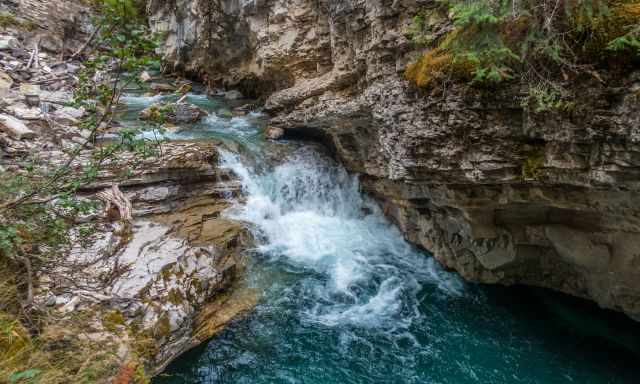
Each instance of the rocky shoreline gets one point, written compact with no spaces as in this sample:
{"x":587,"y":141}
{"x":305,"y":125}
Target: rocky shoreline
{"x":498,"y":193}
{"x":172,"y":279}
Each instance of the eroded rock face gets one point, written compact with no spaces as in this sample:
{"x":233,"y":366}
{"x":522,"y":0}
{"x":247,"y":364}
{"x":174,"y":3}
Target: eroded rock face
{"x":149,"y":286}
{"x":55,"y":25}
{"x":496,"y":192}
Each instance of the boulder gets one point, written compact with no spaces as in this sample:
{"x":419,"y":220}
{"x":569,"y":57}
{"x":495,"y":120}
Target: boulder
{"x":184,"y":88}
{"x":162,"y":87}
{"x":188,"y":113}
{"x":24,"y":112}
{"x":58,"y":97}
{"x":68,"y":115}
{"x":8,"y":43}
{"x":30,"y":89}
{"x":20,"y":53}
{"x":145,"y":77}
{"x":50,"y":42}
{"x":274,"y":133}
{"x":15,"y":128}
{"x":233,"y":95}
{"x":182,"y":113}
{"x":5,"y":81}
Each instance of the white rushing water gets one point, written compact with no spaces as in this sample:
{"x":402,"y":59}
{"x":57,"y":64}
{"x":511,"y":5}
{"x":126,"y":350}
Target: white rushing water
{"x":310,"y":211}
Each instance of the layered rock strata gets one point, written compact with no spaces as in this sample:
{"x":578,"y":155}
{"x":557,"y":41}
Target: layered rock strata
{"x":150,"y":287}
{"x":495,"y":191}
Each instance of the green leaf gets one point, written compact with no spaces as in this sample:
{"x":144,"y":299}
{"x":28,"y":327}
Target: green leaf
{"x":27,"y":375}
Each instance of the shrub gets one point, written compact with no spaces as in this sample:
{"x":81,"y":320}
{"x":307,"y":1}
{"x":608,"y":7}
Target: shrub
{"x":493,"y":41}
{"x":39,"y":204}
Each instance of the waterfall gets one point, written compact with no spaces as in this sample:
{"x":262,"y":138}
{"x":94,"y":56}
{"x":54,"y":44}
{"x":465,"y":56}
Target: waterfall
{"x":309,"y":212}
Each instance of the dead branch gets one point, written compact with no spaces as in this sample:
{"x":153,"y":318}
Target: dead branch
{"x":118,"y":206}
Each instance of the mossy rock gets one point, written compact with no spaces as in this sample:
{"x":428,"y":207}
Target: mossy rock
{"x":175,"y":297}
{"x":162,"y":328}
{"x":532,"y":166}
{"x":113,"y":320}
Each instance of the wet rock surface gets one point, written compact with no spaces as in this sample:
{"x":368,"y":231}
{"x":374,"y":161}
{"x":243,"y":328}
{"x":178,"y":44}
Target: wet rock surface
{"x":451,"y":168}
{"x":175,"y":113}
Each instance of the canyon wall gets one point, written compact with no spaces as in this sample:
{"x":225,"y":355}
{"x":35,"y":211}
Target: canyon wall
{"x":56,"y":26}
{"x":495,"y":191}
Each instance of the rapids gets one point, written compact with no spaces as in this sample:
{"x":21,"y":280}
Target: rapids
{"x":345,"y":299}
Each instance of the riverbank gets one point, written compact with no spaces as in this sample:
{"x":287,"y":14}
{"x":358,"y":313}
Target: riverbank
{"x":148,"y":270}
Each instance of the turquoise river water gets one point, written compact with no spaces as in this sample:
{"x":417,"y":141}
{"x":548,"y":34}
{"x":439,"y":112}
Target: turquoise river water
{"x":344,"y":299}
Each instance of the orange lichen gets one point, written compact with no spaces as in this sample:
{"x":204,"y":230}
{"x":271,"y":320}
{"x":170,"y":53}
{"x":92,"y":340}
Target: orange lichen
{"x":431,"y":66}
{"x":436,"y":65}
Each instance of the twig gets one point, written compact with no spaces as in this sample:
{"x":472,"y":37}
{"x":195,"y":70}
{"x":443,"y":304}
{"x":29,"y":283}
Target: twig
{"x":85,"y":45}
{"x":33,"y":55}
{"x":37,"y":54}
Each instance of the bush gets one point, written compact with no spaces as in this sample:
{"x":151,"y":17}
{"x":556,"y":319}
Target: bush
{"x":40,"y":204}
{"x":494,"y":41}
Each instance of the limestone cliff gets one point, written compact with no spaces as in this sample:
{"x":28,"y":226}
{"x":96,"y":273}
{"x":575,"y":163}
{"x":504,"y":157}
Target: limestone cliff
{"x":447,"y":166}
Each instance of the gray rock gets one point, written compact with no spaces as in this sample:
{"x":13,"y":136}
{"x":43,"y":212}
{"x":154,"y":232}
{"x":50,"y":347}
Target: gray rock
{"x":50,"y":42}
{"x":8,"y":43}
{"x":188,"y":113}
{"x":274,"y":133}
{"x":15,"y":128}
{"x":69,"y":115}
{"x":182,"y":113}
{"x":233,"y":95}
{"x":23,"y":112}
{"x":145,"y":77}
{"x":162,"y":87}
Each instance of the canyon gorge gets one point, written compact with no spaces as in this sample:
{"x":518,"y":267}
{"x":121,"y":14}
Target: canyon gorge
{"x":310,"y":210}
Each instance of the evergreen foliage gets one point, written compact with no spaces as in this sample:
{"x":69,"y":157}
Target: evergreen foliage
{"x":493,"y":41}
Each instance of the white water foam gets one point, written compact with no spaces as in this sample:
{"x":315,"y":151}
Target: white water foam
{"x":310,"y":212}
{"x":238,"y":127}
{"x":141,"y":101}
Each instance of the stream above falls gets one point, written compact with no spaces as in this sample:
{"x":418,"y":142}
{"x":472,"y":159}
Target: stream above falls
{"x":344,"y":299}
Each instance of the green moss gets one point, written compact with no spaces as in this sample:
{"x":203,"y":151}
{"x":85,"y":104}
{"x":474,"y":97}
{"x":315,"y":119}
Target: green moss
{"x":8,"y":19}
{"x":491,"y":43}
{"x":160,"y":113}
{"x":142,"y":341}
{"x":175,"y":297}
{"x":545,"y":98}
{"x":167,"y":272}
{"x":140,"y":376}
{"x":197,"y":284}
{"x":162,"y":327}
{"x":113,"y":320}
{"x":532,"y":166}
{"x":425,"y":25}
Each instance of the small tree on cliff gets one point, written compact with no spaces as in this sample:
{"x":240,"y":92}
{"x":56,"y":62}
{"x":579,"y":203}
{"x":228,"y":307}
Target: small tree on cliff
{"x":39,"y":202}
{"x":543,"y":43}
